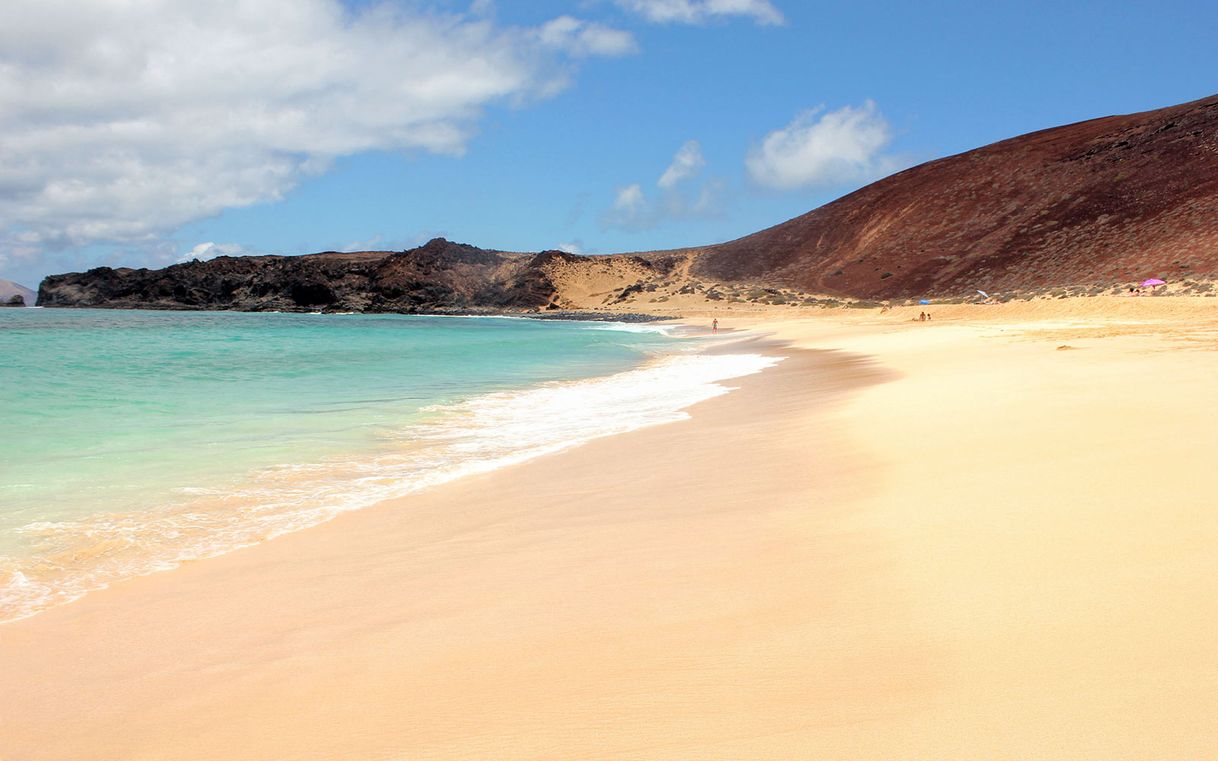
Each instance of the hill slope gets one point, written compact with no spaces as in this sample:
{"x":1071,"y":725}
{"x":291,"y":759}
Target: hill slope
{"x":1108,"y":200}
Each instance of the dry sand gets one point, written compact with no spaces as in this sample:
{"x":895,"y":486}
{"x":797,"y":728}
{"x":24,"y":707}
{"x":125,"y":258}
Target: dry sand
{"x":945,"y":540}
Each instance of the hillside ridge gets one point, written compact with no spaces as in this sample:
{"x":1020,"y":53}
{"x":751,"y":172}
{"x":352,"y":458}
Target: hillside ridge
{"x":1105,"y":200}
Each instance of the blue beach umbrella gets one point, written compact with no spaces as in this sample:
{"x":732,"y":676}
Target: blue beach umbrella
{"x":924,"y":301}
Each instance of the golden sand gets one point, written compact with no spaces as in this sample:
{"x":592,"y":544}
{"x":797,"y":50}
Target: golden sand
{"x":944,"y":540}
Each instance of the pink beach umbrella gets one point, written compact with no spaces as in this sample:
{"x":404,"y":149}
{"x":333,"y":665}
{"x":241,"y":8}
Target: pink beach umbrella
{"x":1152,"y":282}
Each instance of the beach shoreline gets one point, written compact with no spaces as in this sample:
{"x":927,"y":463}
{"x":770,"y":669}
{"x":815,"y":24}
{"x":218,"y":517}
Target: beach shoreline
{"x":903,"y":541}
{"x":288,"y":453}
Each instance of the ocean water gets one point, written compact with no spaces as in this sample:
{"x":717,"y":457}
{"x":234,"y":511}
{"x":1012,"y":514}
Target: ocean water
{"x":134,"y":441}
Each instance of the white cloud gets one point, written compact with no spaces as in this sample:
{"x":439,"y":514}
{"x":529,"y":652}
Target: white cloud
{"x":701,"y":11}
{"x":632,"y":209}
{"x":584,"y":38}
{"x":630,"y":199}
{"x":687,"y":163}
{"x":210,"y":250}
{"x":368,"y":244}
{"x":707,"y":202}
{"x":823,"y":149}
{"x":379,"y":242}
{"x":119,"y":122}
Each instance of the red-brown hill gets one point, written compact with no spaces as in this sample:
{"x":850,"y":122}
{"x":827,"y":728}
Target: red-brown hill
{"x":1109,"y":200}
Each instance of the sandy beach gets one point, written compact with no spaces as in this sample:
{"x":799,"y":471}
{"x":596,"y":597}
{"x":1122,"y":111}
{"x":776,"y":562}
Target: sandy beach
{"x":989,"y":536}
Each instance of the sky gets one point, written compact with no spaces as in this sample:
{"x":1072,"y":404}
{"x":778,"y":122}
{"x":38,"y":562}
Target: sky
{"x":147,"y":132}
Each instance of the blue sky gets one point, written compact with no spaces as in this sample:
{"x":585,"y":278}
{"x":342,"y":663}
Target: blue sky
{"x":147,"y":134}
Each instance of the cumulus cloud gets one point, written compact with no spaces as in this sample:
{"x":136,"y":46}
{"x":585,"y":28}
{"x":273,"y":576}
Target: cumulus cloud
{"x":701,"y":11}
{"x":820,"y":149}
{"x":687,"y":163}
{"x":119,"y":122}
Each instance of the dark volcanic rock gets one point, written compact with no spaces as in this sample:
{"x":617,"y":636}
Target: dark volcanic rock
{"x":439,"y":276}
{"x":1108,"y":200}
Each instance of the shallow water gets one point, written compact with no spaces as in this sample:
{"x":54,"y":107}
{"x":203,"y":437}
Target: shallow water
{"x":138,"y":440}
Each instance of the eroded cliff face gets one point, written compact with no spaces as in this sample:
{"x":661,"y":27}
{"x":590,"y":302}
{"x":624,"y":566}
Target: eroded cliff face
{"x":1108,"y":200}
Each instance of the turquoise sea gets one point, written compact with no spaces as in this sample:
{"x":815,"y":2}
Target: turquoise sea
{"x":136,"y":440}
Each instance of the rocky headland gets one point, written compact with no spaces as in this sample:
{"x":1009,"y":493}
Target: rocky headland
{"x":437,"y":277}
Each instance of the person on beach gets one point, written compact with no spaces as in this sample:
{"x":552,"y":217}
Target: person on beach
{"x":921,"y":316}
{"x":715,"y":325}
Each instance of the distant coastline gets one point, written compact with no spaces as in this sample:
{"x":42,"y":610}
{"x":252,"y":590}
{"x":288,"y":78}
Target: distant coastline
{"x":561,"y":314}
{"x":1082,"y":206}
